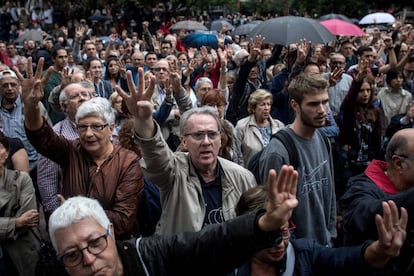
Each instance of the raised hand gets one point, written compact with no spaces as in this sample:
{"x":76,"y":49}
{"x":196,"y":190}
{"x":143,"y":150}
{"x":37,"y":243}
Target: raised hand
{"x":138,"y":100}
{"x":391,"y":229}
{"x":32,"y":86}
{"x":282,"y":199}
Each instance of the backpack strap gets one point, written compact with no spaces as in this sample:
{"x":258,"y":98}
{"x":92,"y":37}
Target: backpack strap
{"x":283,"y":136}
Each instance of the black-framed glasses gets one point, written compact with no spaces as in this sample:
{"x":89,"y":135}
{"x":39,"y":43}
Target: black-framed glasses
{"x":94,"y":127}
{"x":285,"y":233}
{"x":200,"y":135}
{"x":95,"y":247}
{"x":411,"y":158}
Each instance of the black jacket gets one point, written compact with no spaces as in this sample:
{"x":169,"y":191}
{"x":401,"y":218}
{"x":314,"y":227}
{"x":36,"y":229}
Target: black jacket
{"x":215,"y":250}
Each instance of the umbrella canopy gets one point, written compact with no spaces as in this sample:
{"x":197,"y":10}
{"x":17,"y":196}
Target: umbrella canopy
{"x":216,"y":25}
{"x":198,"y":39}
{"x":335,"y":16}
{"x":30,"y":35}
{"x":189,"y":25}
{"x":291,"y":29}
{"x":377,"y":18}
{"x":245,"y":29}
{"x":339,"y":27}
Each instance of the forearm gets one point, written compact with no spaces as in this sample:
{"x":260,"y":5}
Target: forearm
{"x":32,"y":117}
{"x":145,"y":128}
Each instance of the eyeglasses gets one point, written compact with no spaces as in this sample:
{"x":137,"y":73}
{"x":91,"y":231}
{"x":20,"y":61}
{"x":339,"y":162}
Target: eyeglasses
{"x":94,"y":128}
{"x":285,"y":234}
{"x":95,"y":247}
{"x":200,"y":135}
{"x":411,"y":158}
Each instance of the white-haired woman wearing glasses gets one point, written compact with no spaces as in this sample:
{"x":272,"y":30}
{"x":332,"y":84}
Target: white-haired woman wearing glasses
{"x":92,"y":165}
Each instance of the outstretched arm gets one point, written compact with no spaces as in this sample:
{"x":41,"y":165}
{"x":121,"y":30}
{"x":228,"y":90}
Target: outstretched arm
{"x":139,"y":104}
{"x":391,"y":235}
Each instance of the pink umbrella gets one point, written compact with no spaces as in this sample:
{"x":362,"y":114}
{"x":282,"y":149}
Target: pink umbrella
{"x":339,"y":27}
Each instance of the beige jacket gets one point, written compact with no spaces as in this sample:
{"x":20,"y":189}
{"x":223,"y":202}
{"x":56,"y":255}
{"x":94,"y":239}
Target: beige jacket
{"x":249,"y":139}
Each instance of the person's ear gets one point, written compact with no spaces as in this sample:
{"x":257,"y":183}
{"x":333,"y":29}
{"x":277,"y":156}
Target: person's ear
{"x":397,"y":161}
{"x":294,"y":104}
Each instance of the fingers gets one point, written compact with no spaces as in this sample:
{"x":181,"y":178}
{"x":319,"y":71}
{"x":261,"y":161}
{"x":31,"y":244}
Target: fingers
{"x":130,"y":82}
{"x":39,"y":68}
{"x":46,"y":76}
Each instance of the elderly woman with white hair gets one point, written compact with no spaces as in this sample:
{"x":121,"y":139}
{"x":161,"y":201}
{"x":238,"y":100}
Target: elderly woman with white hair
{"x":92,"y":165}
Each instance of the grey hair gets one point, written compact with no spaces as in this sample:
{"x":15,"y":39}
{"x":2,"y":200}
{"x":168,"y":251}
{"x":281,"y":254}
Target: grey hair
{"x":73,"y":210}
{"x":96,"y":107}
{"x":204,"y":110}
{"x":202,"y":80}
{"x":86,"y":84}
{"x":62,"y":95}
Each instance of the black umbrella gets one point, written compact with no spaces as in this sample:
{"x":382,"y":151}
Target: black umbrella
{"x":245,"y":29}
{"x":291,"y":29}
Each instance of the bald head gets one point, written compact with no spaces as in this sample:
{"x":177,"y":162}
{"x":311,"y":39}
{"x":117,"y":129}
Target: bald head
{"x":400,"y":159}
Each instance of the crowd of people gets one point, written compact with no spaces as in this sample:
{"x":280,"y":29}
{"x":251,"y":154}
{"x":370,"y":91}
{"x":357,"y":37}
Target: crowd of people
{"x":143,"y":136}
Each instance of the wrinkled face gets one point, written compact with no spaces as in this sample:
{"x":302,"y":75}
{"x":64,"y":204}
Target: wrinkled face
{"x":9,"y":88}
{"x":364,"y":93}
{"x":203,"y":89}
{"x":82,"y":234}
{"x":161,"y":71}
{"x":61,"y":59}
{"x":313,"y":109}
{"x":75,"y":95}
{"x":94,"y":135}
{"x":262,"y":110}
{"x":138,"y":59}
{"x":96,"y":69}
{"x":204,"y":152}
